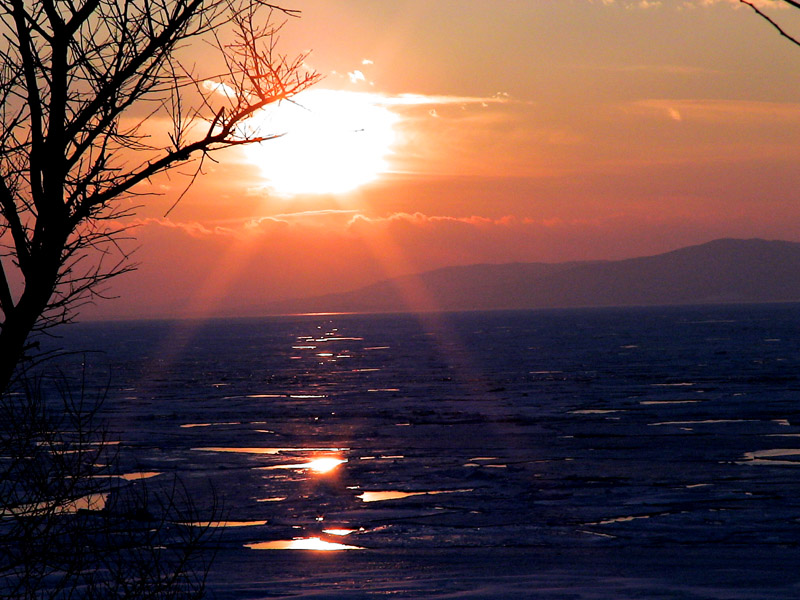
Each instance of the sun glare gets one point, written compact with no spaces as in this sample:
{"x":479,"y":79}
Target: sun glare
{"x":313,"y":543}
{"x":325,"y":465}
{"x":318,"y":465}
{"x":334,"y":141}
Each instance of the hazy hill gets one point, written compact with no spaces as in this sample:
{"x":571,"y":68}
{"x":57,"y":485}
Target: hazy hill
{"x":725,"y":270}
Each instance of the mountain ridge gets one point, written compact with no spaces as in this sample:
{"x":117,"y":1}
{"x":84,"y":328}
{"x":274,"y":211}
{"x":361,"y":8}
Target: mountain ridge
{"x":725,"y":270}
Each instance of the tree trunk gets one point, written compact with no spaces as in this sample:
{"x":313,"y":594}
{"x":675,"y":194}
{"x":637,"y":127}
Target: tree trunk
{"x":20,"y":321}
{"x":12,"y":344}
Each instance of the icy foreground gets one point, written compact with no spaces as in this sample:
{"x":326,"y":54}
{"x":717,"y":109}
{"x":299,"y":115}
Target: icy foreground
{"x":638,"y":453}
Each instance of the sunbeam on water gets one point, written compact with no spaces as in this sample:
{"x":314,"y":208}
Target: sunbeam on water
{"x":226,"y":523}
{"x":312,"y":543}
{"x":340,"y":532}
{"x":398,"y":495}
{"x":318,"y":465}
{"x":257,"y":450}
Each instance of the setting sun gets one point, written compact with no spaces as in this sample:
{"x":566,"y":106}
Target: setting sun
{"x":334,"y":142}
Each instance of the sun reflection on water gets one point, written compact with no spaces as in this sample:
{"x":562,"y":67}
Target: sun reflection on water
{"x":267,"y":450}
{"x":214,"y":524}
{"x":313,"y":543}
{"x":387,"y":495}
{"x":318,"y":465}
{"x":339,"y":532}
{"x":325,"y":465}
{"x":380,"y":496}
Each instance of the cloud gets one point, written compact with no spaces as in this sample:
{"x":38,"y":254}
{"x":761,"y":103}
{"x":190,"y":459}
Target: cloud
{"x":236,"y":269}
{"x":735,"y":111}
{"x":333,"y":224}
{"x":316,"y":213}
{"x":221,"y":88}
{"x":192,"y":228}
{"x":426,"y":100}
{"x":336,"y":221}
{"x":647,"y":4}
{"x":419,"y":219}
{"x":308,"y":218}
{"x":356,"y":76}
{"x":338,"y":140}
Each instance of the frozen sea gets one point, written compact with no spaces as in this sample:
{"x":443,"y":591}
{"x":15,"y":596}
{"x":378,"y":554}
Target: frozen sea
{"x":581,"y":454}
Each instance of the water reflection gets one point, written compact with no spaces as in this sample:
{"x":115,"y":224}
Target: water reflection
{"x":226,"y":523}
{"x":340,"y":532}
{"x":192,"y":425}
{"x":660,"y":402}
{"x":91,"y":502}
{"x":387,"y":495}
{"x":625,"y":519}
{"x":774,"y":456}
{"x":140,"y":475}
{"x":313,"y":543}
{"x":396,"y":494}
{"x":318,"y":465}
{"x":700,"y":422}
{"x":271,"y":451}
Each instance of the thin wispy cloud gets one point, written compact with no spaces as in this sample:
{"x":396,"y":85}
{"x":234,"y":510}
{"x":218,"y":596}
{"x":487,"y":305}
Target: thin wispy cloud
{"x":425,"y":100}
{"x":734,"y":111}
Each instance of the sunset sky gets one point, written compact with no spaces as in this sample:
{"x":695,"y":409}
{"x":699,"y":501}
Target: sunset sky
{"x":482,"y":131}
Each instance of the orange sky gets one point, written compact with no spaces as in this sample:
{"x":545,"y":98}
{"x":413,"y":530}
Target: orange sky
{"x":485,"y":131}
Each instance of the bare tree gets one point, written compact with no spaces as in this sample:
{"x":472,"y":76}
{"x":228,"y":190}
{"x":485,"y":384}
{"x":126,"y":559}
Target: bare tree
{"x":78,"y":80}
{"x":73,"y":526}
{"x":780,"y":29}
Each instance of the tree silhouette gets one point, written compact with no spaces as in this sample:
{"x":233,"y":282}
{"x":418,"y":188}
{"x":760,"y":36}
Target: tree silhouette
{"x":73,"y":525}
{"x":78,"y":81}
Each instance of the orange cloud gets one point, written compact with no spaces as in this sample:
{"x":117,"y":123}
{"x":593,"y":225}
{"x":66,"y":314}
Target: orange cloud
{"x":420,"y":220}
{"x":193,"y":228}
{"x":724,"y":111}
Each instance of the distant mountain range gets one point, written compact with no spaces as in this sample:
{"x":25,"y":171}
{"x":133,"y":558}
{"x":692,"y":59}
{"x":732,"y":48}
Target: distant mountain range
{"x":721,"y":271}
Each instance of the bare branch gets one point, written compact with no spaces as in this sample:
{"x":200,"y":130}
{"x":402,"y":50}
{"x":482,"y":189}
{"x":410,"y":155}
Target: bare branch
{"x":78,"y":82}
{"x":29,"y":65}
{"x":772,"y":22}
